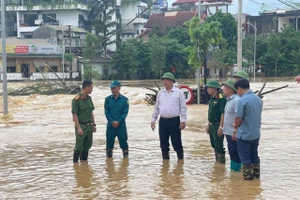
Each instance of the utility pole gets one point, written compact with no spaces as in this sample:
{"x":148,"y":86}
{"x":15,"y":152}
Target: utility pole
{"x":240,"y":35}
{"x":4,"y":61}
{"x":70,"y":51}
{"x":199,"y":68}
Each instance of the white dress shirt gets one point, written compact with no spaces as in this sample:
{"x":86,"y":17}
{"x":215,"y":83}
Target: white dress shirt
{"x":170,"y":104}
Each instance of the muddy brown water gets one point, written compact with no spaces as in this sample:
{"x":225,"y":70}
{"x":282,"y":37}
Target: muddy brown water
{"x":37,"y":139}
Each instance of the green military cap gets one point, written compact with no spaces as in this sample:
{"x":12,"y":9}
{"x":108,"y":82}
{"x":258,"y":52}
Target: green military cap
{"x":241,"y":74}
{"x":230,"y":83}
{"x":213,"y":84}
{"x":115,"y":83}
{"x":168,"y":75}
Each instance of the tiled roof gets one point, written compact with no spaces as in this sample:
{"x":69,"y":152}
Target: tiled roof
{"x":170,"y":19}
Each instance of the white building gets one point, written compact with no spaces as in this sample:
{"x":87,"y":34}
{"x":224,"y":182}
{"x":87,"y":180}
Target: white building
{"x":30,"y":16}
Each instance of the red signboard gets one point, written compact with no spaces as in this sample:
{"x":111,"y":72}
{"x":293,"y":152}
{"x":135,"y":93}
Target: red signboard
{"x":21,"y":49}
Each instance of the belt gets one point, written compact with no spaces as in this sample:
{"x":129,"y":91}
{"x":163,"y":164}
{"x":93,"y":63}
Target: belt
{"x":166,"y":118}
{"x":214,"y":123}
{"x":87,"y":123}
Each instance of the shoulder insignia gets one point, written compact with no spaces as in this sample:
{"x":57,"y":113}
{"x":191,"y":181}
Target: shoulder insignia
{"x":77,"y":97}
{"x":220,"y":96}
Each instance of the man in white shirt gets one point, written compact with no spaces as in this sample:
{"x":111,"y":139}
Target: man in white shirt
{"x":171,"y":106}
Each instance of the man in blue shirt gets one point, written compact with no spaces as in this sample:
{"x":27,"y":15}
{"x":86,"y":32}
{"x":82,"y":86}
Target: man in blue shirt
{"x":248,"y":124}
{"x":116,"y":108}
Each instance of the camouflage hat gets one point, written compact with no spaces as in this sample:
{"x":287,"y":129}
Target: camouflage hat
{"x":230,"y":83}
{"x":213,"y":84}
{"x":241,"y":74}
{"x":168,"y":75}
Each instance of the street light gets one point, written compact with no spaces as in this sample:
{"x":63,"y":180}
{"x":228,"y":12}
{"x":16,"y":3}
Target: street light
{"x":254,"y":51}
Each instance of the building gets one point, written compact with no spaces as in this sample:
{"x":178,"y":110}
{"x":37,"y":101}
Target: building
{"x":274,"y":21}
{"x":27,"y":15}
{"x":62,"y":35}
{"x":35,"y":59}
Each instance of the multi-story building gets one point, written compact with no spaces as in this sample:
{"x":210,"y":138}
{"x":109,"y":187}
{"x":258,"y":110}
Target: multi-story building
{"x":27,"y":15}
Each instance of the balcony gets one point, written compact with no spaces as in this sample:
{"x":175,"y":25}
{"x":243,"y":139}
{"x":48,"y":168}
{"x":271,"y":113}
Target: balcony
{"x":44,"y":7}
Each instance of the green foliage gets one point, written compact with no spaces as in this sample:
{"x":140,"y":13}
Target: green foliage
{"x":92,"y":43}
{"x":90,"y":73}
{"x":228,"y":26}
{"x":69,"y":57}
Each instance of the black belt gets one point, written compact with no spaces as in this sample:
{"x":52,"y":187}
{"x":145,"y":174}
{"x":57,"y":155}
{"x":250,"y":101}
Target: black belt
{"x":169,"y":118}
{"x":87,"y":123}
{"x":214,"y":123}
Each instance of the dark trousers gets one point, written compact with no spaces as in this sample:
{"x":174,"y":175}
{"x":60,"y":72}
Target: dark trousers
{"x":167,"y":128}
{"x":232,"y":148}
{"x":248,"y":151}
{"x":216,"y":142}
{"x":112,"y":133}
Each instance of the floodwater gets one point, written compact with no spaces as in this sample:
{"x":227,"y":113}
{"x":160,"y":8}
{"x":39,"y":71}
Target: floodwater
{"x":37,"y":140}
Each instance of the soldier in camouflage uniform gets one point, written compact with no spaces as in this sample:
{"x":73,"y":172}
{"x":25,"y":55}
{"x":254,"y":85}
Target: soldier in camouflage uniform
{"x":83,"y":117}
{"x":215,"y":120}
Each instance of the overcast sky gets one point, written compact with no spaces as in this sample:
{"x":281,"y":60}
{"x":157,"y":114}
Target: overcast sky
{"x":250,"y":7}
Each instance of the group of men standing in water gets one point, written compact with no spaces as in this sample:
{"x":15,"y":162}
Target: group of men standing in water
{"x":234,"y":113}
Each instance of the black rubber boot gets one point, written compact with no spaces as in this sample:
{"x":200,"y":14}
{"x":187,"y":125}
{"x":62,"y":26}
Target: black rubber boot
{"x":221,"y":158}
{"x":125,"y":153}
{"x":256,"y":170}
{"x":76,"y":156}
{"x":109,"y":153}
{"x":180,"y":154}
{"x":84,"y":155}
{"x":165,"y":155}
{"x":248,"y":172}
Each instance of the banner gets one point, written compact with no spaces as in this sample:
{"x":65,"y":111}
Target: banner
{"x":15,"y":49}
{"x":45,"y":49}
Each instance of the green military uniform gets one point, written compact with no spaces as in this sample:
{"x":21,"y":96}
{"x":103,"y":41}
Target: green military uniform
{"x":116,"y":109}
{"x":216,"y":109}
{"x":83,"y":108}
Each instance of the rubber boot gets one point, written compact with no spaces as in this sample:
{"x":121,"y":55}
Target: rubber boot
{"x":109,"y":153}
{"x":84,"y":155}
{"x":180,"y":154}
{"x":165,"y":155}
{"x":221,"y":158}
{"x":256,"y":169}
{"x":125,"y":153}
{"x":248,"y":172}
{"x":232,"y":163}
{"x":237,"y":167}
{"x":75,"y":156}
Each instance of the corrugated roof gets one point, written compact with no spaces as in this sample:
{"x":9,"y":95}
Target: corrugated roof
{"x":66,"y":28}
{"x":170,"y":19}
{"x":24,"y":41}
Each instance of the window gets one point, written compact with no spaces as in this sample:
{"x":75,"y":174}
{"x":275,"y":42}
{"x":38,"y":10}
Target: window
{"x":11,"y":69}
{"x":50,"y":19}
{"x":54,"y":68}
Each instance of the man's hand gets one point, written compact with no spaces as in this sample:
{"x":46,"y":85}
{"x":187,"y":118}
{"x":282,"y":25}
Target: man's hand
{"x":234,"y":135}
{"x":207,"y":129}
{"x":153,"y":126}
{"x":115,"y":124}
{"x":79,"y":131}
{"x":220,"y":131}
{"x":94,"y":129}
{"x":182,"y":125}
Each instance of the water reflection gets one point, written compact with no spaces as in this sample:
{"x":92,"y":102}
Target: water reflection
{"x":171,"y":183}
{"x":117,"y":180}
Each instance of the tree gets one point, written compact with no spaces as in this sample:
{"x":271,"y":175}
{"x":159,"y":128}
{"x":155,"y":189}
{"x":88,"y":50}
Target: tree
{"x":102,"y":17}
{"x":203,"y":36}
{"x":89,"y":52}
